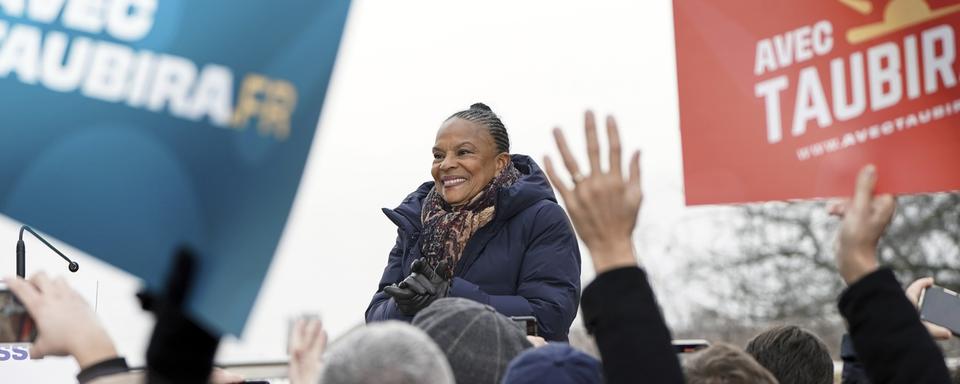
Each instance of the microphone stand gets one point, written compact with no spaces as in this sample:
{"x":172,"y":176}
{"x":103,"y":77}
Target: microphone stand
{"x":22,"y":253}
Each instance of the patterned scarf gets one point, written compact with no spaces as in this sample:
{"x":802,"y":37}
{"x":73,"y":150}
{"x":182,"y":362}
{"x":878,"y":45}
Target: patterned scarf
{"x":447,"y":229}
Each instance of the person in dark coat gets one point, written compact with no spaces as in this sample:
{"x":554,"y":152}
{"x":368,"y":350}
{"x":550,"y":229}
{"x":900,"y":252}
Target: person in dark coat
{"x":487,"y":228}
{"x":853,"y":371}
{"x":890,"y":340}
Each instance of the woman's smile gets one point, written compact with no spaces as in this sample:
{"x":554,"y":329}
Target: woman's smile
{"x":450,"y":182}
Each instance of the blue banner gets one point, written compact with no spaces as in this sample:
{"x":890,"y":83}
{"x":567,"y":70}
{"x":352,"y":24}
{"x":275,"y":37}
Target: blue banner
{"x":133,"y":127}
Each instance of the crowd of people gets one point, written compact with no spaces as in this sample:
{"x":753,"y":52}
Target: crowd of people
{"x":487,"y":241}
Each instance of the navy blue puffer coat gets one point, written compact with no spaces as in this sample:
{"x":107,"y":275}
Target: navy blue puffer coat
{"x":525,"y":262}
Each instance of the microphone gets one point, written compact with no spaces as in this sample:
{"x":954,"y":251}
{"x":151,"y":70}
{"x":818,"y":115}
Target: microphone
{"x":22,"y":253}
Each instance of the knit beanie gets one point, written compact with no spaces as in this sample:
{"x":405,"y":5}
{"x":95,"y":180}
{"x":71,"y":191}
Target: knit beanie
{"x":479,"y":342}
{"x":555,"y":363}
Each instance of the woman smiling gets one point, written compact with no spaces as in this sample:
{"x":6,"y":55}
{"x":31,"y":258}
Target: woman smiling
{"x":487,"y":228}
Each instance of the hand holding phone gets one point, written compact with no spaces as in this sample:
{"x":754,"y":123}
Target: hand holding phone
{"x":528,"y":323}
{"x":16,"y":325}
{"x":914,"y":291}
{"x":941,"y":306}
{"x":65,"y":323}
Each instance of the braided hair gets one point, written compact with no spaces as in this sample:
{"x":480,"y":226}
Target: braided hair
{"x":480,"y":113}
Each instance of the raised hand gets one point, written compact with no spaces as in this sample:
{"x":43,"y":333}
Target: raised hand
{"x":308,"y":340}
{"x":602,"y":205}
{"x":865,"y":217}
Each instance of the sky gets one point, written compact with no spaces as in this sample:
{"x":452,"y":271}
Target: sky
{"x":403,"y":67}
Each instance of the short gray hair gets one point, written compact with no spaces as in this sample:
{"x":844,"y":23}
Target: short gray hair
{"x":724,"y":363}
{"x":389,"y":352}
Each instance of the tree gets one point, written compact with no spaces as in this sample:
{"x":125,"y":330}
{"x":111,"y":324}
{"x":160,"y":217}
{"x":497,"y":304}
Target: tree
{"x":780,"y":266}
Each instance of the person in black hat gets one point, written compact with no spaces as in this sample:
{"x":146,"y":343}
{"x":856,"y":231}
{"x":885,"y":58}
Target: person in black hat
{"x":478,"y":341}
{"x":555,"y":363}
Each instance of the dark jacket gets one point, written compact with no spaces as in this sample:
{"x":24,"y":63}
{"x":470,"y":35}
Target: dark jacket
{"x":525,"y":262}
{"x":853,"y":371}
{"x":620,"y":310}
{"x":889,"y":338}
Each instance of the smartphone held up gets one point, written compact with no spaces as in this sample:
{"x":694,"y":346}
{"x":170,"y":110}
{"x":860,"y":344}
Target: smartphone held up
{"x":16,"y":325}
{"x":941,"y":306}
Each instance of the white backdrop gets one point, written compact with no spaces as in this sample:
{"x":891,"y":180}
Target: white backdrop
{"x":403,"y":67}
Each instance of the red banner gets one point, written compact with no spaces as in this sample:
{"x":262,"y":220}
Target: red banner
{"x":788,"y":99}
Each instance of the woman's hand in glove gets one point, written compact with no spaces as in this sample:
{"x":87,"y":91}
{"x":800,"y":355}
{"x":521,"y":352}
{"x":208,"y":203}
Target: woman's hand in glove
{"x":422,"y":287}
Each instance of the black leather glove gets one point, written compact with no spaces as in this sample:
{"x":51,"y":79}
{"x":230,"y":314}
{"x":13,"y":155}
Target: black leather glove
{"x":408,"y":302}
{"x":424,"y":280}
{"x":422,"y":287}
